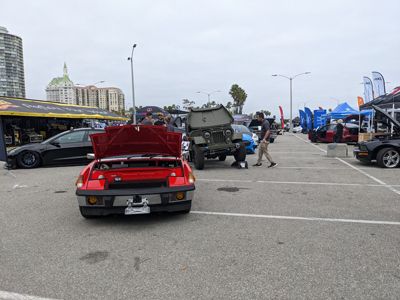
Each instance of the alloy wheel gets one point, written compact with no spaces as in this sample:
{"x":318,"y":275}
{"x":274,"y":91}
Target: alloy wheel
{"x":391,"y":159}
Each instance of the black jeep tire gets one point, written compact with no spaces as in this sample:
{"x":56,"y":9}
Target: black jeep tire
{"x":28,"y":160}
{"x":385,"y":159}
{"x":222,"y":157}
{"x":240,"y":154}
{"x":198,"y":158}
{"x":85,"y":214}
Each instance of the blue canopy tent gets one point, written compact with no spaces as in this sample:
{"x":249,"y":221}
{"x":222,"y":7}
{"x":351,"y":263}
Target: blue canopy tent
{"x":341,"y":111}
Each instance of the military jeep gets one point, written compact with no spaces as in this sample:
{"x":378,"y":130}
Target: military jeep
{"x":211,"y":136}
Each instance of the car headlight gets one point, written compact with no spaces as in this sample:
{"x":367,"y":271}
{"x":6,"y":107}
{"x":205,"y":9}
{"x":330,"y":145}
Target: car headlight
{"x":207,"y":135}
{"x":228,"y":132}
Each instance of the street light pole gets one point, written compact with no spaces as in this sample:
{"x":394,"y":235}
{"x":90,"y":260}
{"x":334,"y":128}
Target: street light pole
{"x":290,"y":78}
{"x":133,"y":86}
{"x":209,"y":94}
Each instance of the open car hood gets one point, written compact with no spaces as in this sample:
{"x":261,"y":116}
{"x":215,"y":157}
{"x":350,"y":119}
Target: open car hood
{"x":390,"y":118}
{"x":136,"y":140}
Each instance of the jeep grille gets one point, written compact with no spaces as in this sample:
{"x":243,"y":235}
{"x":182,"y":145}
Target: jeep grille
{"x":218,"y":137}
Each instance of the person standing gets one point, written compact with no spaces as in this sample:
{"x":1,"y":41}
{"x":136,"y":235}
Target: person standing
{"x":263,"y":146}
{"x":337,"y":138}
{"x":148,"y":120}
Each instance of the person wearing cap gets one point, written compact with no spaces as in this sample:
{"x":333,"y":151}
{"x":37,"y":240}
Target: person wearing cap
{"x":160,"y":121}
{"x":148,"y":120}
{"x":337,"y":138}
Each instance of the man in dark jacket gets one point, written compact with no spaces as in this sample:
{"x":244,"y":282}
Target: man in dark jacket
{"x":337,"y":138}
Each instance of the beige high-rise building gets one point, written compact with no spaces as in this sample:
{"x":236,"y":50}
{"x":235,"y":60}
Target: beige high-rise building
{"x":108,"y":98}
{"x":63,"y":90}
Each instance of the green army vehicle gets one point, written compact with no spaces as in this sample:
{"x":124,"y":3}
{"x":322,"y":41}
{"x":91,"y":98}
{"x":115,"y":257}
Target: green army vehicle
{"x":211,"y":136}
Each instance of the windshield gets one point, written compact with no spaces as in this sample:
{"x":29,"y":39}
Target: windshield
{"x":241,"y":129}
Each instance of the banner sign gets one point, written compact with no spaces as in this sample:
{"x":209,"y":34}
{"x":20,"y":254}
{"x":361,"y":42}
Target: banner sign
{"x":319,"y":117}
{"x":302,"y":118}
{"x":379,"y":84}
{"x":309,"y":116}
{"x":3,"y":151}
{"x":37,"y":108}
{"x":282,"y":118}
{"x":368,"y":89}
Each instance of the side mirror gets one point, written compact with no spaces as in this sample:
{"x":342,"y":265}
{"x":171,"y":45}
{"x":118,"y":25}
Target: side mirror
{"x":90,"y":156}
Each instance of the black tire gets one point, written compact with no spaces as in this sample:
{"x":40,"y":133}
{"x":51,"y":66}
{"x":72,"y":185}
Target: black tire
{"x":240,"y":154}
{"x":28,"y":160}
{"x":85,"y":214}
{"x":388,"y":158}
{"x":198,"y":158}
{"x":222,"y":157}
{"x":271,"y":140}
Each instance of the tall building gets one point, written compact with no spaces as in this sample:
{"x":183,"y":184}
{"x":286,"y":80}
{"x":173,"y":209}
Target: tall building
{"x":12,"y":78}
{"x":61,"y":89}
{"x":109,"y":98}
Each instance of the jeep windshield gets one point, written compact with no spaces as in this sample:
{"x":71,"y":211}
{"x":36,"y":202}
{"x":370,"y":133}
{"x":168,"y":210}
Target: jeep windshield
{"x":209,"y":117}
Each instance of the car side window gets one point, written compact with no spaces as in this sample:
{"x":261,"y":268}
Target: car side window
{"x":92,"y":132}
{"x":72,"y":137}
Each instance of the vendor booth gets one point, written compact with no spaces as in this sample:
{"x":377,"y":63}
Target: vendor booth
{"x":32,"y":121}
{"x":342,"y":111}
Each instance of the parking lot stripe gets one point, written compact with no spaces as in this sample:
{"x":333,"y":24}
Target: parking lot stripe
{"x":390,"y":187}
{"x":370,"y":176}
{"x":15,"y":296}
{"x":290,"y":182}
{"x":297,"y":218}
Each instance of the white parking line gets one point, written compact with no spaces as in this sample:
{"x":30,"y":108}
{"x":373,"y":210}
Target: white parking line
{"x":15,"y":296}
{"x":289,"y":182}
{"x":297,"y":218}
{"x":390,"y":187}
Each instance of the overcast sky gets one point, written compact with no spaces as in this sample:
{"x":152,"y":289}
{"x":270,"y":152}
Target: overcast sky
{"x":187,"y":46}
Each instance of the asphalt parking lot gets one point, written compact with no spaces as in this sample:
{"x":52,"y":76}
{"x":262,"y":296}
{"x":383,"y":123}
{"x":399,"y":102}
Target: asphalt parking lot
{"x":311,"y":228}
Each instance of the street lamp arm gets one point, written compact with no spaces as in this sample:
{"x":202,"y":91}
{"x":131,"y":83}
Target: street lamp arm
{"x":304,"y":73}
{"x":275,"y":75}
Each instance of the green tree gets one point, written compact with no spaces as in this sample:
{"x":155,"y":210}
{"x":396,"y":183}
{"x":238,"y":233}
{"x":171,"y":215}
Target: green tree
{"x":187,"y":104}
{"x":239,"y":97}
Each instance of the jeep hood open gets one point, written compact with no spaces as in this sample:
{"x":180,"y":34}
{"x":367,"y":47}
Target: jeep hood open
{"x":390,"y":118}
{"x":209,"y":117}
{"x":136,"y":140}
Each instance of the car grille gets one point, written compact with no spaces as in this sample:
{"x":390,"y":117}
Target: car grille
{"x":218,"y":137}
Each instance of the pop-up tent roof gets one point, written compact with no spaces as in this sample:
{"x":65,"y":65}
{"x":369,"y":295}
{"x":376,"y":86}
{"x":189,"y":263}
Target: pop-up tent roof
{"x":152,"y":109}
{"x":342,"y":110}
{"x":44,"y":109}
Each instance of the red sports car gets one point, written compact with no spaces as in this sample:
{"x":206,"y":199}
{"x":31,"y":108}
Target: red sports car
{"x":136,"y":170}
{"x":326,"y":133}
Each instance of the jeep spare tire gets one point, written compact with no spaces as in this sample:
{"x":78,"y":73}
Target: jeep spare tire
{"x":198,"y":158}
{"x":240,"y":154}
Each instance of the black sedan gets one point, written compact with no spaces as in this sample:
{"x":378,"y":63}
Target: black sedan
{"x":67,"y":148}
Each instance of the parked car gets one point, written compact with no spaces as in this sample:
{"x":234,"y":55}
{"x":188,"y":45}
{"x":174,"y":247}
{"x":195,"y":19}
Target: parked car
{"x":211,"y":135}
{"x":67,"y":148}
{"x":255,"y":126}
{"x":326,"y":133}
{"x":385,"y":149}
{"x":297,"y":129}
{"x":249,"y":138}
{"x":137,"y":169}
